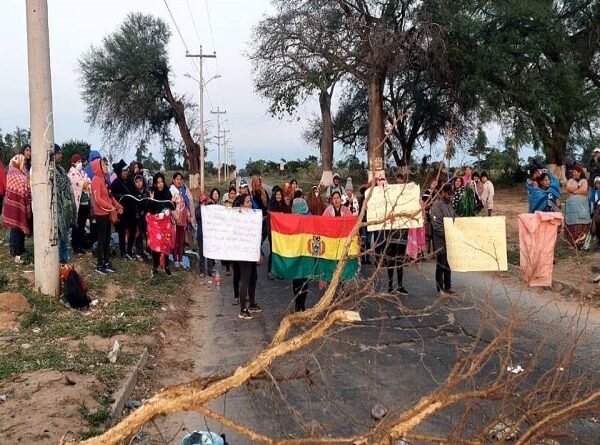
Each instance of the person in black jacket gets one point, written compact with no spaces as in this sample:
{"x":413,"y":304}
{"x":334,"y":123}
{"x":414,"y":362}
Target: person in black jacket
{"x":123,"y":190}
{"x":141,"y":194}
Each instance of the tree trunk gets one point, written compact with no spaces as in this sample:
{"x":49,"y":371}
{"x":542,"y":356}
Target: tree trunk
{"x":326,"y":145}
{"x":192,"y":148}
{"x":376,"y":127}
{"x":555,"y":147}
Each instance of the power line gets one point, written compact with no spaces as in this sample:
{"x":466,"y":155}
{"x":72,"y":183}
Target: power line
{"x":194,"y":23}
{"x":176,"y":26}
{"x":212,"y":37}
{"x":192,"y":61}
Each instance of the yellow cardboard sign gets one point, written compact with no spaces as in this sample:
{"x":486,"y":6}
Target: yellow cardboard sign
{"x":401,"y":202}
{"x":476,"y":244}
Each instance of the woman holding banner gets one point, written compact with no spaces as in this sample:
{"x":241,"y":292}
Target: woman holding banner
{"x":248,"y":276}
{"x":336,"y":208}
{"x":277,"y":204}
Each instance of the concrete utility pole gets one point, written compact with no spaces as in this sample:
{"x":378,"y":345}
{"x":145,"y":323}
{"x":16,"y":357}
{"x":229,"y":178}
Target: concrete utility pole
{"x":218,"y":113}
{"x":45,"y":234}
{"x":225,"y":140}
{"x":201,"y":57}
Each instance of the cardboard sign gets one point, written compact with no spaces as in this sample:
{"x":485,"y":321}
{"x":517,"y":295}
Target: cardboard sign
{"x":476,"y":244}
{"x":401,"y":203}
{"x":231,"y":234}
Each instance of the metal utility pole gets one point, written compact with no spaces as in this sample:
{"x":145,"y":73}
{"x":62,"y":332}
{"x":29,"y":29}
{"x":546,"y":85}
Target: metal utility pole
{"x":45,"y":234}
{"x":218,"y":113}
{"x":202,"y":57}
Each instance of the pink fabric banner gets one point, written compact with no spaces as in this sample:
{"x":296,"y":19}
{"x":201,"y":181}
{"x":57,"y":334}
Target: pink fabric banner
{"x":537,"y":238}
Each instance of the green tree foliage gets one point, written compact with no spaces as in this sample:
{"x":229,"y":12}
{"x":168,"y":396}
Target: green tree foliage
{"x":13,"y":143}
{"x":153,"y":165}
{"x":126,"y":87}
{"x":287,"y":72}
{"x":534,"y":63}
{"x":480,"y":150}
{"x":74,"y":146}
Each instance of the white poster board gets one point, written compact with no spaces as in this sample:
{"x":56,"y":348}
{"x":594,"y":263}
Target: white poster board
{"x":231,"y":234}
{"x":403,"y":200}
{"x":476,"y":244}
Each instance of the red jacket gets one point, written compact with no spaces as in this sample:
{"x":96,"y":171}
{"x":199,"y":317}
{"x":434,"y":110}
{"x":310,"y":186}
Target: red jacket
{"x":103,"y":202}
{"x":2,"y":180}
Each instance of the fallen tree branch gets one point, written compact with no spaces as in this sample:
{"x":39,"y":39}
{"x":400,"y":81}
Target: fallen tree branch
{"x":188,"y":396}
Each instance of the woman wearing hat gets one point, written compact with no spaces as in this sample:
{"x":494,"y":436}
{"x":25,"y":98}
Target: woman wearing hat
{"x":81,"y":191}
{"x":577,"y":214}
{"x":349,"y":199}
{"x":123,"y":189}
{"x":336,"y":186}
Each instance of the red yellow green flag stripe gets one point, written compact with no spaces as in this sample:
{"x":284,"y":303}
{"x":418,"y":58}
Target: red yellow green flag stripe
{"x":310,"y":246}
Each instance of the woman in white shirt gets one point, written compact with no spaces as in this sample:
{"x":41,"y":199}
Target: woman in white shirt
{"x":487,"y":193}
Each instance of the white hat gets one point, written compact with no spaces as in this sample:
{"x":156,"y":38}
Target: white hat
{"x":596,"y":179}
{"x":596,"y":150}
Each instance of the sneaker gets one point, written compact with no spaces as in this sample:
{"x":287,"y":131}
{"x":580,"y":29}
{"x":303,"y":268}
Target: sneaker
{"x":109,"y":268}
{"x":245,"y":314}
{"x":255,"y":308}
{"x":401,"y":291}
{"x":168,"y":272}
{"x":19,"y":260}
{"x":271,"y":276}
{"x":596,"y":279}
{"x":101,"y":270}
{"x":236,"y":301}
{"x":177,"y":265}
{"x":153,"y":273}
{"x":201,"y":275}
{"x":450,"y":291}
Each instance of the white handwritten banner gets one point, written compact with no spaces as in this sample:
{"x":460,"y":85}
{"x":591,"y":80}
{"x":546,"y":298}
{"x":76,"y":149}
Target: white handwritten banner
{"x":476,"y":244}
{"x":231,"y":234}
{"x":401,"y":200}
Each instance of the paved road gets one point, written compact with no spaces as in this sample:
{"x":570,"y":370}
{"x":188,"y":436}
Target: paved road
{"x":389,"y":358}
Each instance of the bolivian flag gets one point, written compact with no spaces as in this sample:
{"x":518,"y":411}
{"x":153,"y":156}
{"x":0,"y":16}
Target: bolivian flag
{"x":310,"y":246}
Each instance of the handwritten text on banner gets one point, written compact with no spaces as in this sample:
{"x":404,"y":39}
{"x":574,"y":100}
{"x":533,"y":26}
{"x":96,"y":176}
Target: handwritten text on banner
{"x":403,"y":200}
{"x":231,"y":234}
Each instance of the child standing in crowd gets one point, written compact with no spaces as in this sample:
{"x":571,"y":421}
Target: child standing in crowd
{"x":442,"y":208}
{"x":202,"y":266}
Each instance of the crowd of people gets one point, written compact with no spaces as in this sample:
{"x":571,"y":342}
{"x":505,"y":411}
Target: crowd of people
{"x":154,"y":220}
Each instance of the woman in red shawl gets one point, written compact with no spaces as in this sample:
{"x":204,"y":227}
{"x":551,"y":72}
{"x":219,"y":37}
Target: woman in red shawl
{"x":161,"y":229}
{"x":17,"y":206}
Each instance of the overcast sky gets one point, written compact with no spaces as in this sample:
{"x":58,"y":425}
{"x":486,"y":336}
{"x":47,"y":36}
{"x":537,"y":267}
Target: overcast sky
{"x":77,"y":24}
